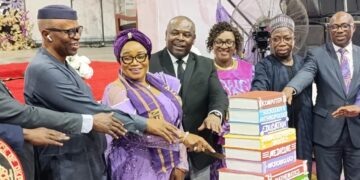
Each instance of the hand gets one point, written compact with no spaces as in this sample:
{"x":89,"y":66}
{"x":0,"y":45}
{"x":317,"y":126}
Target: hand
{"x":177,"y":174}
{"x":43,"y":136}
{"x":346,"y":111}
{"x":211,"y":122}
{"x":107,"y":123}
{"x":196,"y":143}
{"x":289,"y":92}
{"x":162,"y":128}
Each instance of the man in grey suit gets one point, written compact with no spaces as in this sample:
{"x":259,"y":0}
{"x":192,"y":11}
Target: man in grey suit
{"x":204,"y":100}
{"x":335,"y":68}
{"x":51,"y":83}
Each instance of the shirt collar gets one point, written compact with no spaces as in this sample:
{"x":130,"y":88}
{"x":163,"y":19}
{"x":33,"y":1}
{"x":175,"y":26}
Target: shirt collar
{"x":348,"y":48}
{"x":174,"y":59}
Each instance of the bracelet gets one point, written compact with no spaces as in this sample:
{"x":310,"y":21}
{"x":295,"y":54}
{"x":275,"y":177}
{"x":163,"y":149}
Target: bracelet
{"x":186,"y":135}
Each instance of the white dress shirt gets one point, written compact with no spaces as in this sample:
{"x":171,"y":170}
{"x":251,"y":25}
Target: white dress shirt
{"x":87,"y":123}
{"x":175,"y":64}
{"x":185,"y":59}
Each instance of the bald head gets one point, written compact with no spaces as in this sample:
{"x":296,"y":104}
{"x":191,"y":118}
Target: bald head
{"x":342,"y":15}
{"x":341,"y":28}
{"x":181,"y":20}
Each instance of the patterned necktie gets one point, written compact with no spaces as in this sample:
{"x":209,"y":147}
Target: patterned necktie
{"x":180,"y":70}
{"x":8,"y":90}
{"x":345,"y":68}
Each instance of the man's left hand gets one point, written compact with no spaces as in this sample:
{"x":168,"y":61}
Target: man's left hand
{"x":211,"y":122}
{"x":177,"y":174}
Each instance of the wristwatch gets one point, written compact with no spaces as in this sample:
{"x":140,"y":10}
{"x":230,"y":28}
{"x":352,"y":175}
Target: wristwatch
{"x":216,"y":113}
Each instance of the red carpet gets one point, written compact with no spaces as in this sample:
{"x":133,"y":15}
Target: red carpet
{"x":104,"y":73}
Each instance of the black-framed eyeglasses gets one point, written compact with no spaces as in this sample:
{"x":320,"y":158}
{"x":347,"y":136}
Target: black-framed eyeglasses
{"x":130,"y":59}
{"x":220,"y":43}
{"x":343,"y":26}
{"x":70,"y":32}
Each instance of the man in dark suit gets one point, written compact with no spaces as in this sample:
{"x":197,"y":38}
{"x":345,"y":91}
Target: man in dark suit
{"x":12,"y":135}
{"x":204,"y":100}
{"x":17,"y":137}
{"x":335,"y":68}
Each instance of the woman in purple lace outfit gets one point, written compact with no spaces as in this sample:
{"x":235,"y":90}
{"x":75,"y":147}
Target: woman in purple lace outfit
{"x":152,"y":96}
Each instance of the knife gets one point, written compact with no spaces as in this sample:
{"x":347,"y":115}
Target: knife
{"x":215,"y":155}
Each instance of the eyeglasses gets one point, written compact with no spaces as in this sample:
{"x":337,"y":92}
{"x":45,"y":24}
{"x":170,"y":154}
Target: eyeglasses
{"x":220,"y":43}
{"x":130,"y":59}
{"x":343,"y":26}
{"x":70,"y":32}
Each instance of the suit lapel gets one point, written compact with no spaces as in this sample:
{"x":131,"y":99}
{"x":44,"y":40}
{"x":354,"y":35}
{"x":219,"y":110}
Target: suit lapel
{"x":336,"y":65}
{"x":5,"y":88}
{"x":355,"y":76}
{"x":190,"y":65}
{"x":166,"y":63}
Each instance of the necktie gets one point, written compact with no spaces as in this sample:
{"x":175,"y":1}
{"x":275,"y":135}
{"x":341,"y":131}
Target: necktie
{"x":8,"y":90}
{"x":180,"y":70}
{"x":345,"y":68}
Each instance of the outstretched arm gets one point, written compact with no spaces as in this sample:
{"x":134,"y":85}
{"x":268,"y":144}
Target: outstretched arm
{"x":13,"y":112}
{"x":303,"y":78}
{"x":58,"y":92}
{"x":218,"y":104}
{"x":261,"y":80}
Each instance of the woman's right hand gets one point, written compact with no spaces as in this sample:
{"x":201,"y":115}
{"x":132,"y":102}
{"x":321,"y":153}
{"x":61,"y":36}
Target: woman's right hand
{"x":197,"y":143}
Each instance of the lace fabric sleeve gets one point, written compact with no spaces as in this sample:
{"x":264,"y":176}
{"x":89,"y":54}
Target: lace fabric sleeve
{"x":114,"y":94}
